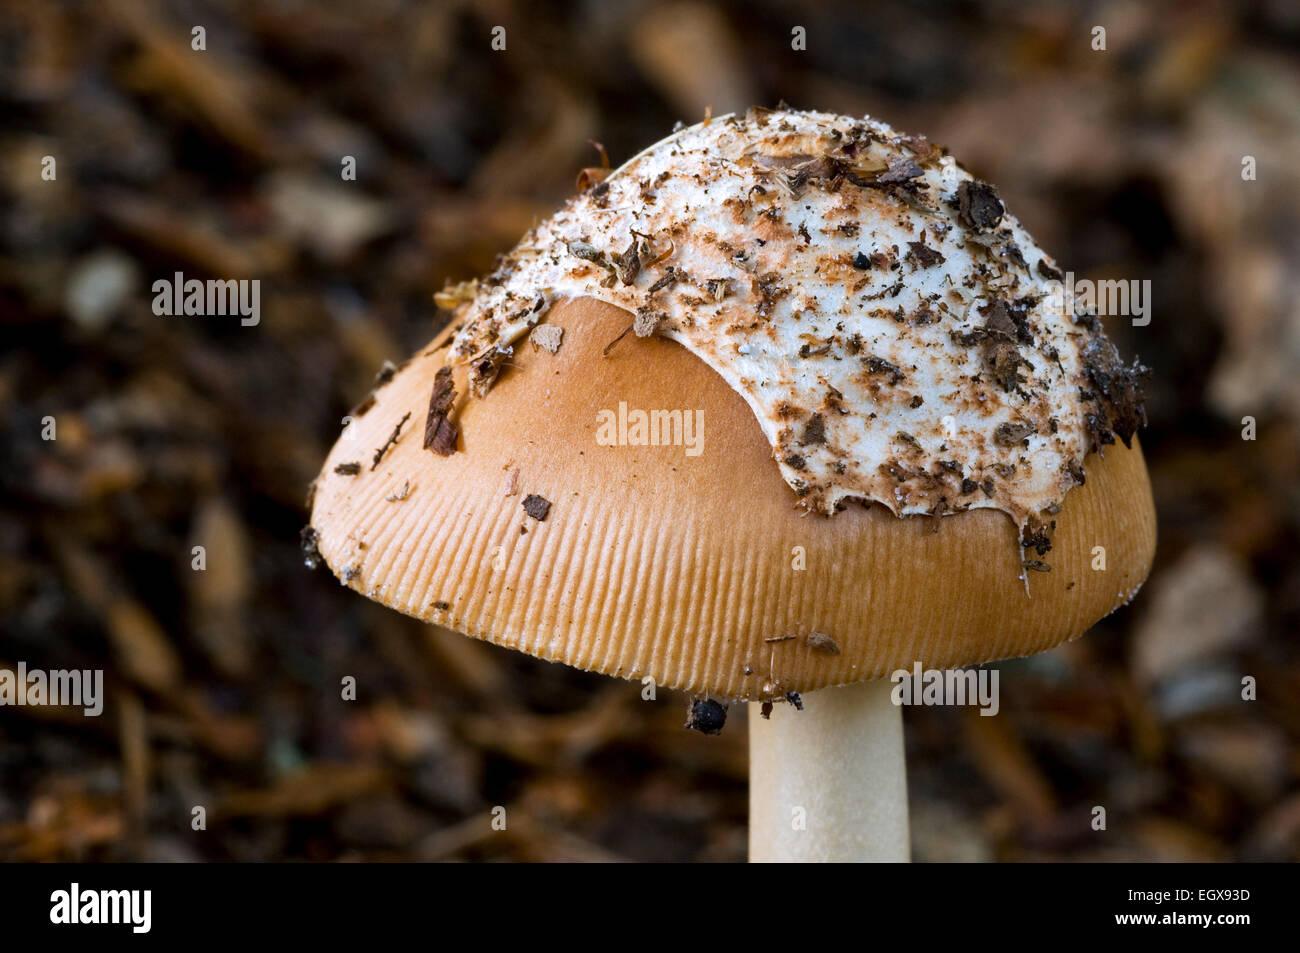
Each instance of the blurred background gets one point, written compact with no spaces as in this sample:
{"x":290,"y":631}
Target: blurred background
{"x":223,"y":686}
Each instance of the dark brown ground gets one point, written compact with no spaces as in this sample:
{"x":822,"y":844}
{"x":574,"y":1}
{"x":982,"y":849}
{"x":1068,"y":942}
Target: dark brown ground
{"x":224,"y":685}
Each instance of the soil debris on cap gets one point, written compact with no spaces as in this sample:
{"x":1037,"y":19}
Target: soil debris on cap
{"x":392,"y":439}
{"x":647,"y":322}
{"x":1010,"y":434}
{"x":1118,"y":391}
{"x":537,"y":506}
{"x":669,"y":278}
{"x":878,"y":365}
{"x":924,"y":255}
{"x":1000,"y":345}
{"x":440,"y":432}
{"x":351,"y":468}
{"x":307,"y":539}
{"x":400,"y":495}
{"x":1038,"y":537}
{"x":811,"y":253}
{"x":978,"y":205}
{"x":706,"y":715}
{"x":815,"y":432}
{"x":821,"y":642}
{"x":627,"y":264}
{"x":899,"y":171}
{"x":547,"y":337}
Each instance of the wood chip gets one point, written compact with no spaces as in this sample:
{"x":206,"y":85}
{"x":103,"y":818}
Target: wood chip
{"x":646,"y":322}
{"x":439,"y":432}
{"x":547,"y":336}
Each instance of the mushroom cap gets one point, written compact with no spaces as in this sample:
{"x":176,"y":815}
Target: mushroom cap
{"x":697,"y":570}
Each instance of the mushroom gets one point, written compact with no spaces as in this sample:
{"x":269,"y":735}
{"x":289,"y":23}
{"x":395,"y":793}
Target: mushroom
{"x":815,"y":415}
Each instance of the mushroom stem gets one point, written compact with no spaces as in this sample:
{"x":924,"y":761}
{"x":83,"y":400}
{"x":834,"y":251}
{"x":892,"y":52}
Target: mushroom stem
{"x":829,"y":783}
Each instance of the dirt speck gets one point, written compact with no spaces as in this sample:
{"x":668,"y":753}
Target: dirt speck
{"x":537,"y":506}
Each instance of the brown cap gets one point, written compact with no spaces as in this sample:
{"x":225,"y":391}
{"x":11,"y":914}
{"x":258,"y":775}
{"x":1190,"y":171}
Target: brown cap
{"x":552,"y":530}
